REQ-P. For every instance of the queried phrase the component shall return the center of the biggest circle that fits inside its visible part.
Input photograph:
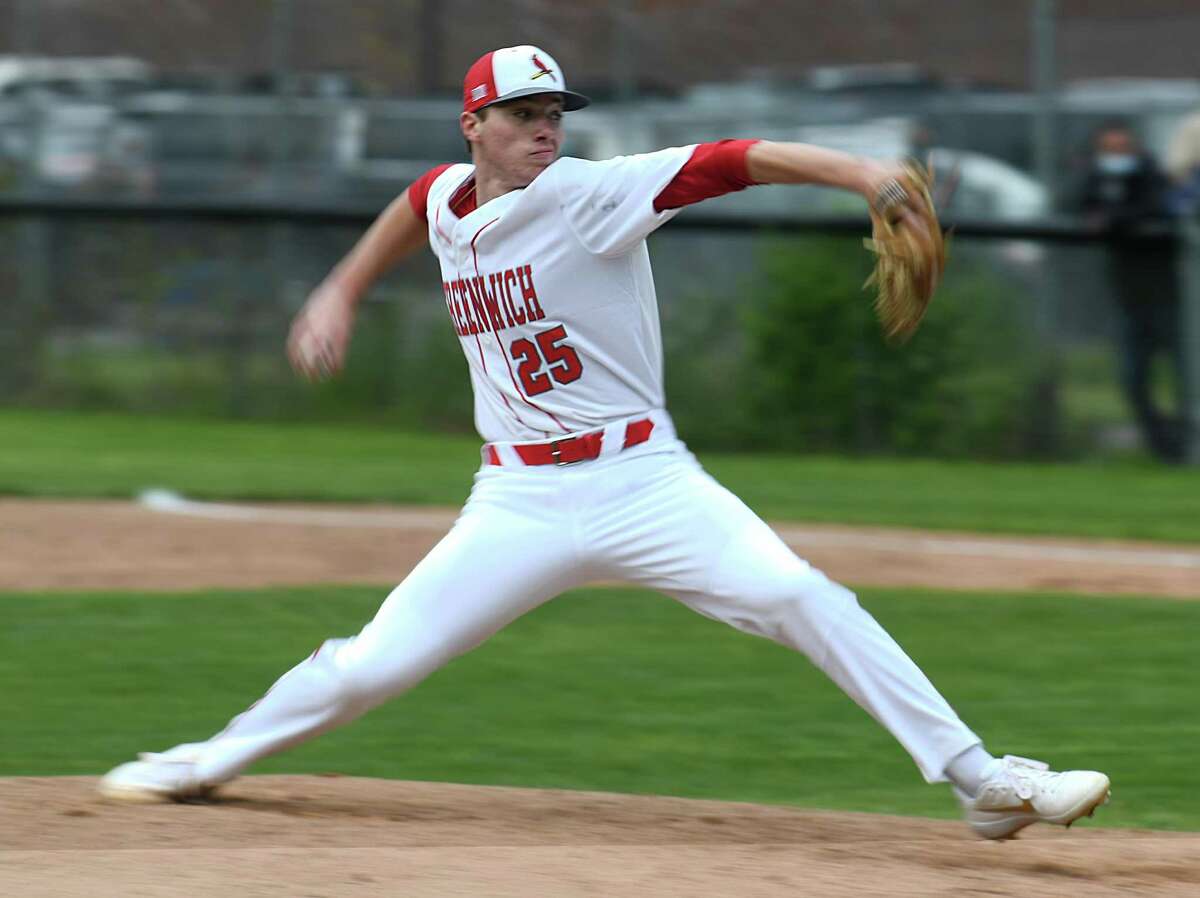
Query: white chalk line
(172, 503)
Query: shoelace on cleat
(1024, 773)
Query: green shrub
(402, 368)
(706, 374)
(821, 378)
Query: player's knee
(333, 679)
(821, 599)
(332, 672)
(797, 605)
(769, 587)
(366, 679)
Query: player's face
(1117, 142)
(519, 138)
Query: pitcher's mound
(342, 836)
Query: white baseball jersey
(551, 293)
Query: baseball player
(547, 282)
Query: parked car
(71, 76)
(63, 124)
(987, 188)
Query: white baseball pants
(649, 516)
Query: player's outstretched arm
(769, 162)
(320, 333)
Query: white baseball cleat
(157, 776)
(1023, 792)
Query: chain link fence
(188, 315)
(324, 111)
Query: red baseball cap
(513, 72)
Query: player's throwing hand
(320, 334)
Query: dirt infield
(318, 837)
(322, 837)
(126, 545)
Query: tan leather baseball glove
(910, 250)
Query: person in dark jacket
(1124, 193)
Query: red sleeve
(418, 190)
(714, 170)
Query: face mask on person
(1116, 163)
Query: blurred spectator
(1123, 187)
(1124, 193)
(1183, 164)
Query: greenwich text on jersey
(493, 302)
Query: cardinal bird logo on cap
(542, 69)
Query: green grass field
(622, 690)
(611, 689)
(73, 454)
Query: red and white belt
(571, 450)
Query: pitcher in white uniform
(547, 282)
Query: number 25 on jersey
(561, 361)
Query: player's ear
(470, 123)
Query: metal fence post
(1045, 77)
(623, 60)
(283, 179)
(282, 21)
(1189, 333)
(22, 338)
(25, 21)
